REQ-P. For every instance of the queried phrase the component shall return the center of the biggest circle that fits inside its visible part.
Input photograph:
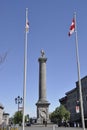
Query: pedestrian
(45, 123)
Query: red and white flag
(72, 27)
(27, 25)
(77, 109)
(27, 22)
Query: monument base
(42, 112)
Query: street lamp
(18, 101)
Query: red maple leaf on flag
(72, 27)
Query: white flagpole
(25, 69)
(78, 69)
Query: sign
(77, 109)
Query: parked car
(28, 124)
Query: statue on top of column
(42, 53)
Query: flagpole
(78, 70)
(25, 71)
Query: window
(86, 97)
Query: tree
(53, 117)
(60, 114)
(64, 114)
(27, 118)
(18, 117)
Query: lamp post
(18, 101)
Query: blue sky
(49, 26)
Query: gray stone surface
(49, 127)
(42, 103)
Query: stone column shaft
(42, 104)
(42, 78)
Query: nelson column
(42, 104)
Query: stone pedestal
(42, 104)
(42, 112)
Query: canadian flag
(27, 26)
(72, 27)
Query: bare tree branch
(3, 57)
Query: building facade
(72, 102)
(4, 117)
(1, 113)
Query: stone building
(1, 113)
(72, 101)
(4, 117)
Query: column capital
(41, 59)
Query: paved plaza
(50, 127)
